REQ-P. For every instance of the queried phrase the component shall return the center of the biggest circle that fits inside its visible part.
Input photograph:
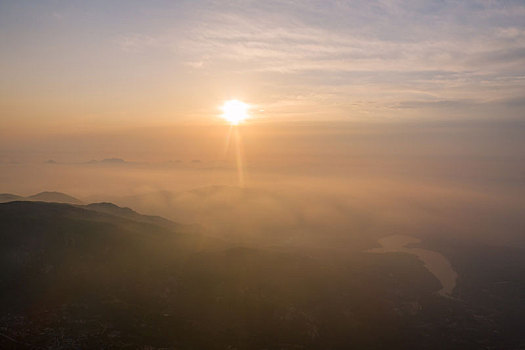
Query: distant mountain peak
(51, 196)
(125, 212)
(111, 208)
(9, 197)
(103, 204)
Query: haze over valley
(262, 174)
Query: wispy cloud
(311, 54)
(448, 52)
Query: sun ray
(235, 112)
(238, 154)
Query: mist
(262, 175)
(311, 185)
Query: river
(436, 263)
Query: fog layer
(305, 185)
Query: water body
(436, 263)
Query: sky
(411, 113)
(75, 65)
(334, 86)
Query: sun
(235, 111)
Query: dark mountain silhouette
(57, 197)
(108, 280)
(102, 276)
(112, 209)
(8, 197)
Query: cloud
(450, 51)
(344, 53)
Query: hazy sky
(77, 64)
(410, 112)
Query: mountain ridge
(44, 196)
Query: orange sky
(71, 65)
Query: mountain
(110, 281)
(102, 276)
(58, 197)
(124, 212)
(8, 197)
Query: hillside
(8, 197)
(125, 212)
(56, 197)
(101, 276)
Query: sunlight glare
(235, 111)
